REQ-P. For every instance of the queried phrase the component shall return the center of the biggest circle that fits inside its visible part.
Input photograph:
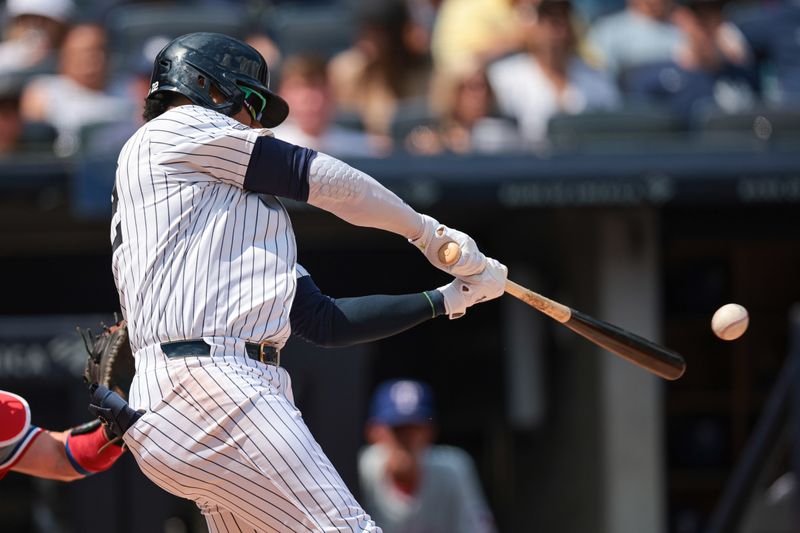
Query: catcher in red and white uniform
(62, 455)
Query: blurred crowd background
(422, 77)
(636, 160)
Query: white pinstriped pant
(224, 432)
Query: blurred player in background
(408, 484)
(10, 117)
(61, 455)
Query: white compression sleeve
(357, 198)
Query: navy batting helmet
(191, 64)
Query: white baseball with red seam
(730, 321)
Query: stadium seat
(762, 124)
(348, 119)
(105, 139)
(308, 28)
(37, 137)
(604, 129)
(409, 114)
(138, 31)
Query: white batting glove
(435, 235)
(462, 293)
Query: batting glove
(462, 293)
(435, 235)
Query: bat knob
(449, 253)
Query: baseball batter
(204, 258)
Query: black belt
(263, 352)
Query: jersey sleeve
(300, 271)
(193, 143)
(472, 513)
(279, 168)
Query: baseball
(730, 322)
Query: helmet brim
(276, 110)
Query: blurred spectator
(75, 97)
(103, 7)
(592, 9)
(711, 70)
(107, 138)
(466, 30)
(549, 77)
(711, 41)
(34, 31)
(305, 87)
(134, 83)
(388, 65)
(468, 121)
(267, 48)
(17, 136)
(425, 13)
(772, 31)
(642, 33)
(10, 118)
(408, 484)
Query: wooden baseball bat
(647, 354)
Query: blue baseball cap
(400, 402)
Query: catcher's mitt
(110, 362)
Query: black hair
(157, 104)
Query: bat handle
(551, 308)
(449, 253)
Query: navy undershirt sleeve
(279, 168)
(334, 322)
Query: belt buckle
(262, 356)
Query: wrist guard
(89, 449)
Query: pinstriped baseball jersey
(195, 255)
(198, 255)
(228, 436)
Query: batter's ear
(233, 102)
(215, 94)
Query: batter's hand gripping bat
(647, 354)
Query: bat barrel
(640, 351)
